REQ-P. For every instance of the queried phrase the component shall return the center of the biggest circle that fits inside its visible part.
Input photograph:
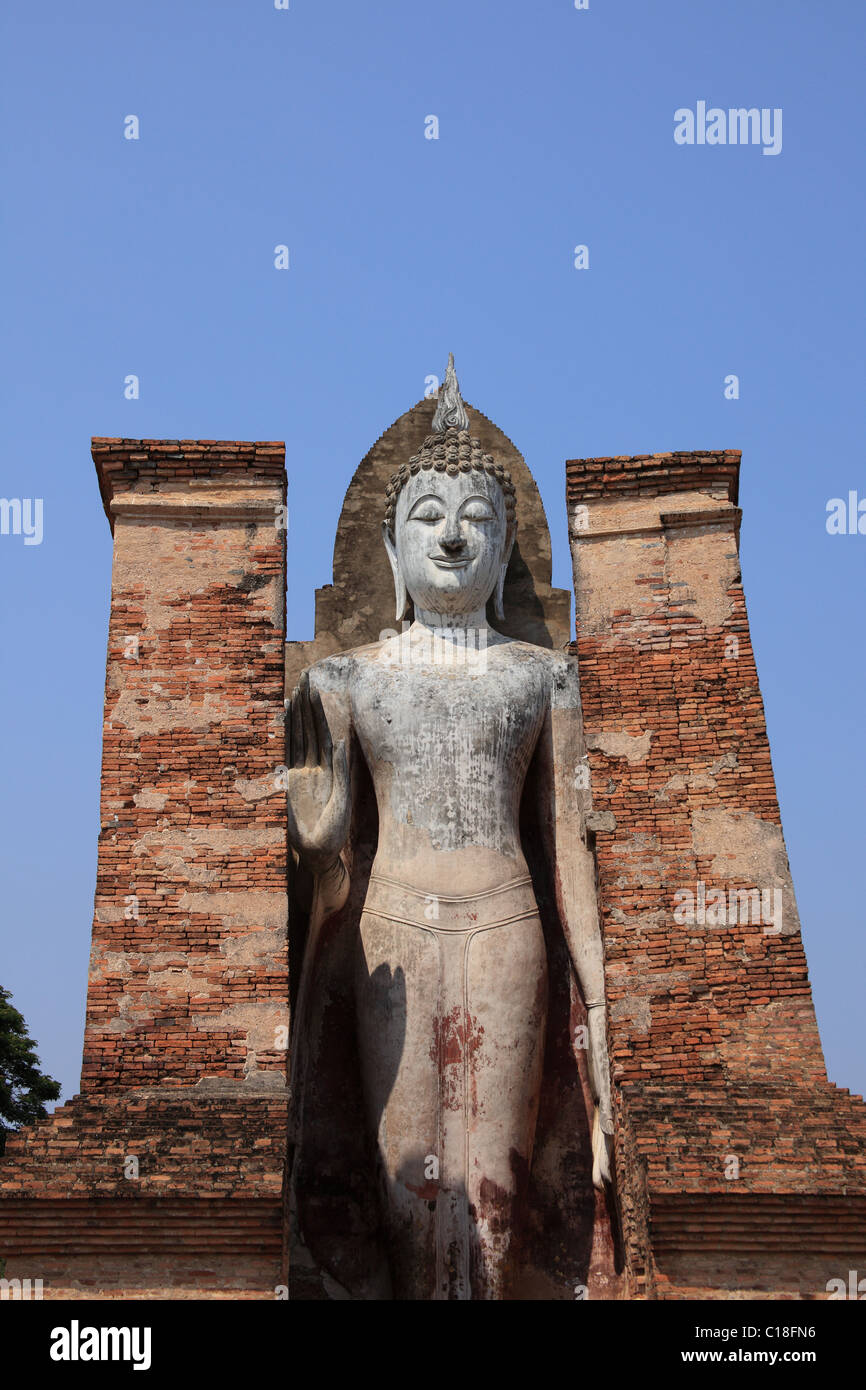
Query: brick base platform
(148, 1195)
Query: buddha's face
(450, 539)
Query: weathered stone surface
(447, 748)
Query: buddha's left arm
(565, 801)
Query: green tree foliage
(23, 1088)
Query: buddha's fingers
(322, 731)
(340, 763)
(295, 735)
(311, 742)
(602, 1147)
(339, 806)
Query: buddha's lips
(445, 563)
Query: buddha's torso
(448, 747)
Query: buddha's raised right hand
(317, 782)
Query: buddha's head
(451, 519)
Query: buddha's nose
(452, 539)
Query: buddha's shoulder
(557, 671)
(336, 672)
(559, 665)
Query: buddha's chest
(433, 723)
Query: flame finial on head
(450, 410)
(450, 448)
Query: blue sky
(306, 127)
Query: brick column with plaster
(165, 1177)
(188, 975)
(721, 1087)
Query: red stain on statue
(457, 1041)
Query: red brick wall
(184, 1058)
(188, 975)
(719, 1075)
(680, 763)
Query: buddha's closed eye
(427, 511)
(431, 510)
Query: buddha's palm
(317, 781)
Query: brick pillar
(165, 1178)
(681, 764)
(188, 975)
(714, 1043)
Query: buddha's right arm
(318, 798)
(318, 783)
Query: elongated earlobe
(399, 584)
(498, 608)
(401, 596)
(498, 605)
